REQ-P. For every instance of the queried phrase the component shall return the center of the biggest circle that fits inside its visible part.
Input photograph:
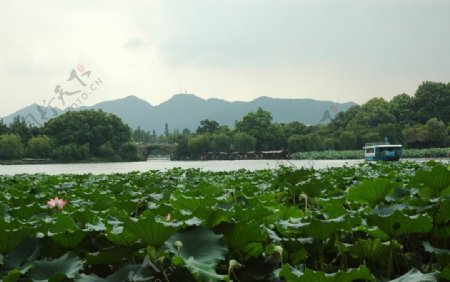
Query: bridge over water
(144, 150)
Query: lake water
(123, 167)
(105, 168)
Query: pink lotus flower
(56, 202)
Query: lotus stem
(391, 251)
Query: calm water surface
(105, 168)
(100, 168)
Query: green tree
(432, 100)
(259, 125)
(20, 127)
(344, 120)
(3, 128)
(369, 136)
(409, 134)
(166, 129)
(10, 147)
(348, 140)
(401, 107)
(304, 143)
(181, 150)
(221, 143)
(198, 145)
(40, 147)
(128, 151)
(294, 128)
(88, 127)
(207, 126)
(434, 133)
(392, 131)
(374, 112)
(72, 152)
(243, 142)
(106, 150)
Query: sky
(236, 50)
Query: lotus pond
(370, 222)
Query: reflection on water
(99, 168)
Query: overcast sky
(342, 51)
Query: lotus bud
(178, 245)
(233, 264)
(278, 250)
(167, 217)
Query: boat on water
(382, 151)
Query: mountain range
(187, 110)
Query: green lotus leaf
(442, 255)
(240, 234)
(292, 274)
(120, 235)
(415, 275)
(127, 272)
(12, 276)
(24, 212)
(98, 226)
(43, 270)
(113, 256)
(293, 223)
(370, 192)
(433, 183)
(398, 223)
(212, 216)
(253, 249)
(430, 249)
(254, 213)
(103, 203)
(294, 176)
(201, 250)
(286, 212)
(11, 234)
(355, 274)
(65, 232)
(312, 188)
(198, 242)
(272, 234)
(298, 256)
(152, 230)
(442, 232)
(4, 208)
(445, 274)
(323, 229)
(26, 251)
(183, 202)
(62, 223)
(443, 213)
(332, 207)
(203, 271)
(372, 249)
(69, 239)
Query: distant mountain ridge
(187, 110)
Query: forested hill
(187, 110)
